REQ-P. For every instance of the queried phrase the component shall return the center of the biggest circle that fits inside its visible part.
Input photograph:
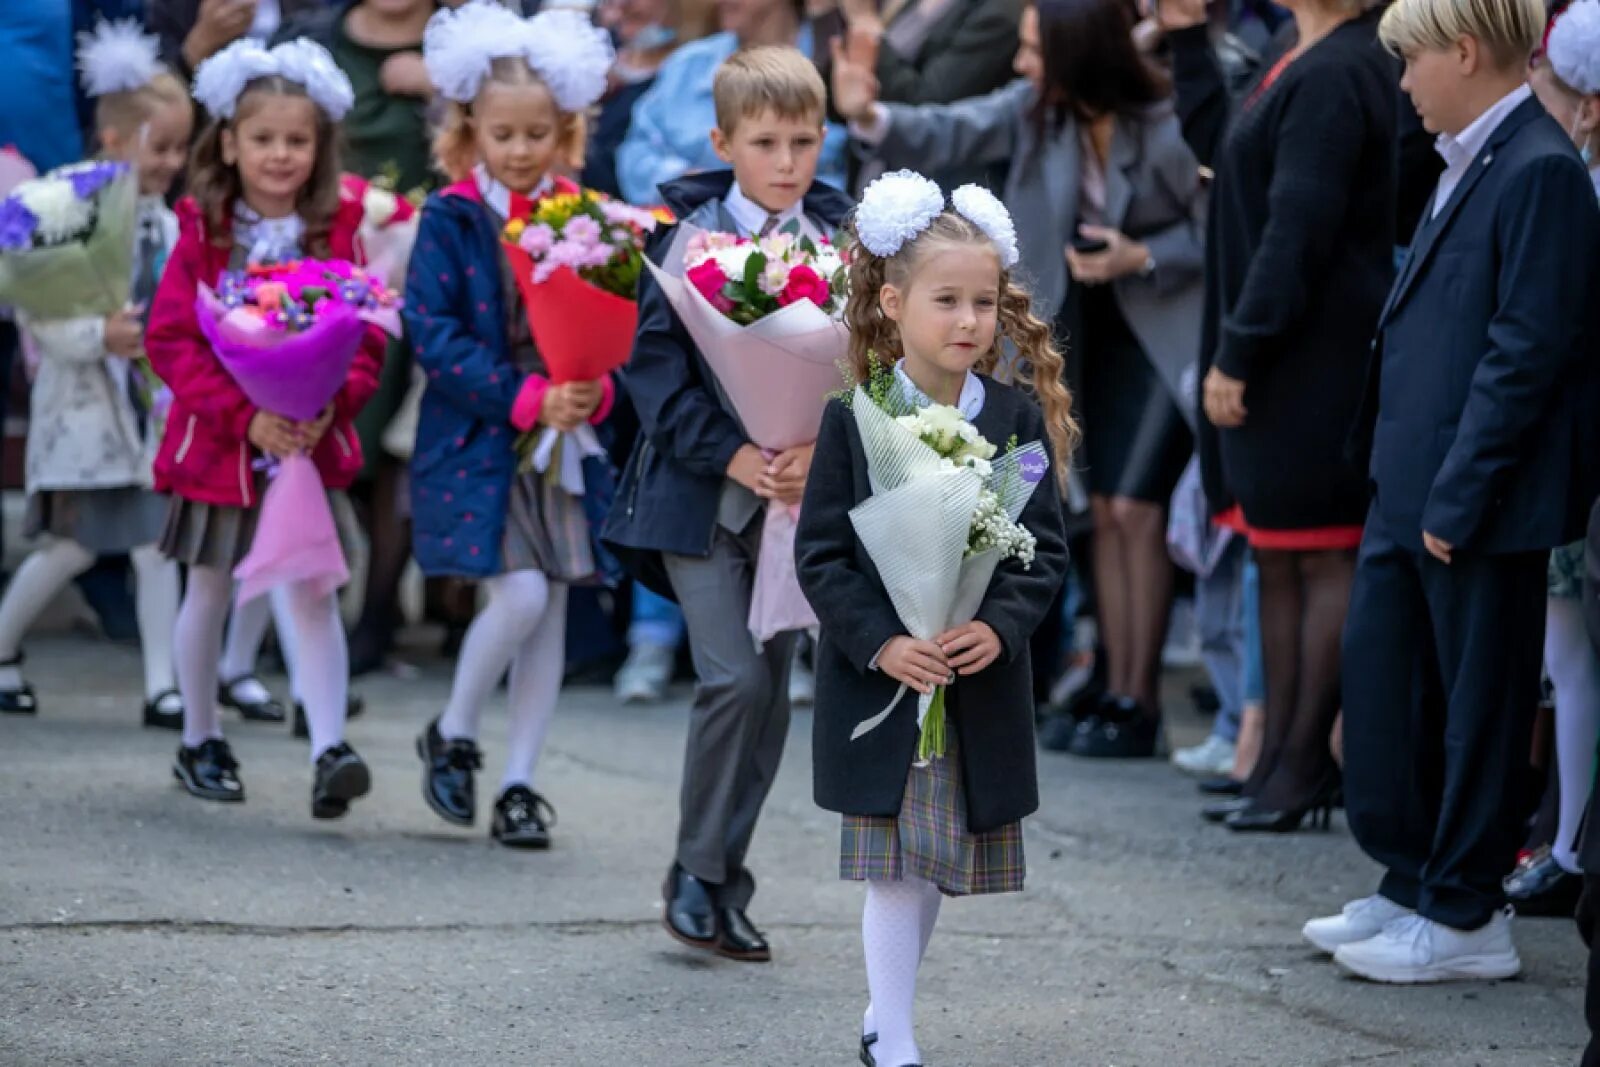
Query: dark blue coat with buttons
(465, 457)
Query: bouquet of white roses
(67, 241)
(942, 516)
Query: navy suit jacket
(1484, 385)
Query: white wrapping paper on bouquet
(916, 526)
(776, 374)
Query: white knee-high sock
(197, 648)
(155, 600)
(1575, 675)
(322, 669)
(517, 602)
(536, 673)
(41, 577)
(927, 917)
(891, 935)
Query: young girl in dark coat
(934, 305)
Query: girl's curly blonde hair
(1039, 368)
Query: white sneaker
(643, 679)
(1414, 949)
(1213, 758)
(1360, 920)
(802, 685)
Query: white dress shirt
(752, 218)
(1459, 151)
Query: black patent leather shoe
(1121, 730)
(354, 706)
(738, 938)
(1222, 810)
(209, 772)
(867, 1041)
(18, 701)
(268, 710)
(1539, 887)
(164, 713)
(447, 783)
(1221, 787)
(342, 776)
(522, 819)
(688, 913)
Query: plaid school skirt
(929, 839)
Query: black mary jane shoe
(687, 912)
(209, 772)
(738, 939)
(18, 701)
(447, 783)
(157, 719)
(342, 776)
(522, 819)
(354, 706)
(268, 710)
(867, 1041)
(1221, 787)
(1540, 888)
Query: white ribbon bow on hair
(221, 79)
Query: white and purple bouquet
(67, 241)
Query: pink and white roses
(747, 279)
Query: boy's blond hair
(1509, 29)
(770, 78)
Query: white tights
(322, 668)
(523, 628)
(1574, 672)
(246, 631)
(48, 570)
(896, 923)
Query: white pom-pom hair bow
(117, 57)
(221, 80)
(1574, 46)
(570, 54)
(901, 205)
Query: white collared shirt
(970, 403)
(498, 197)
(751, 217)
(1459, 151)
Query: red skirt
(1314, 539)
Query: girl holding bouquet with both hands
(264, 185)
(517, 89)
(91, 437)
(931, 297)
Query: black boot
(447, 783)
(522, 819)
(209, 772)
(342, 776)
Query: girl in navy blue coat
(516, 88)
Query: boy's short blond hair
(771, 78)
(1509, 29)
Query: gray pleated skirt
(215, 535)
(107, 522)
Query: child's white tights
(48, 570)
(246, 631)
(524, 629)
(1574, 672)
(896, 923)
(322, 667)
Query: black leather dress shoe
(342, 776)
(1120, 730)
(1539, 887)
(522, 819)
(738, 938)
(268, 710)
(209, 772)
(688, 913)
(354, 706)
(447, 783)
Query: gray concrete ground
(138, 926)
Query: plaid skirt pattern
(929, 839)
(546, 530)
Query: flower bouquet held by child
(576, 262)
(288, 334)
(765, 314)
(67, 240)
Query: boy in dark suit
(691, 506)
(1485, 392)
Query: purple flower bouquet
(67, 241)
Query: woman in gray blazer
(1110, 211)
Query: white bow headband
(901, 205)
(569, 53)
(1574, 46)
(220, 80)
